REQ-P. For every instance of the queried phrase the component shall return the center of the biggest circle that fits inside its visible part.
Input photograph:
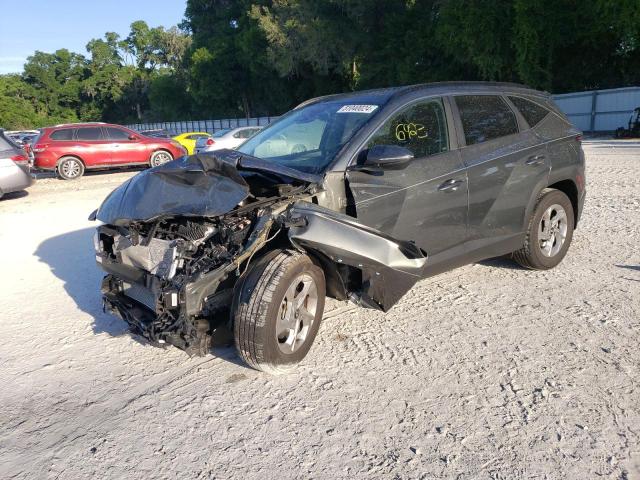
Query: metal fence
(210, 126)
(599, 110)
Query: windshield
(308, 139)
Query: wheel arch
(566, 186)
(570, 189)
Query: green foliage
(260, 57)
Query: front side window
(89, 133)
(308, 138)
(64, 134)
(117, 134)
(421, 128)
(531, 111)
(485, 117)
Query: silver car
(14, 167)
(227, 138)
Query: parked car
(230, 138)
(71, 148)
(188, 140)
(158, 133)
(395, 185)
(14, 167)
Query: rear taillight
(39, 147)
(20, 159)
(579, 138)
(210, 141)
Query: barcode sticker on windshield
(357, 108)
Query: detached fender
(389, 267)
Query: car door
(126, 147)
(506, 163)
(92, 146)
(424, 202)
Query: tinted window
(65, 134)
(116, 134)
(89, 133)
(532, 112)
(485, 117)
(422, 128)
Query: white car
(225, 139)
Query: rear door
(426, 201)
(506, 163)
(126, 147)
(92, 147)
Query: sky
(48, 25)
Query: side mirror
(386, 157)
(133, 137)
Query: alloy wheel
(552, 230)
(297, 313)
(70, 168)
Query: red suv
(72, 148)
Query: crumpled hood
(203, 185)
(198, 185)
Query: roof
(383, 95)
(83, 124)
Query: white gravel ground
(489, 371)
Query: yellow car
(188, 140)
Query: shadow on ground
(14, 195)
(41, 174)
(501, 262)
(71, 258)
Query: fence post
(594, 104)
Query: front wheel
(159, 158)
(277, 309)
(550, 232)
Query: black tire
(70, 168)
(258, 305)
(160, 158)
(531, 254)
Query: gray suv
(354, 196)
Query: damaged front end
(177, 238)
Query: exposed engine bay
(171, 274)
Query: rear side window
(89, 133)
(421, 128)
(117, 134)
(64, 134)
(485, 117)
(532, 112)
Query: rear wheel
(70, 168)
(160, 157)
(550, 232)
(277, 309)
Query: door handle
(535, 160)
(450, 185)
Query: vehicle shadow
(71, 258)
(42, 174)
(501, 262)
(14, 195)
